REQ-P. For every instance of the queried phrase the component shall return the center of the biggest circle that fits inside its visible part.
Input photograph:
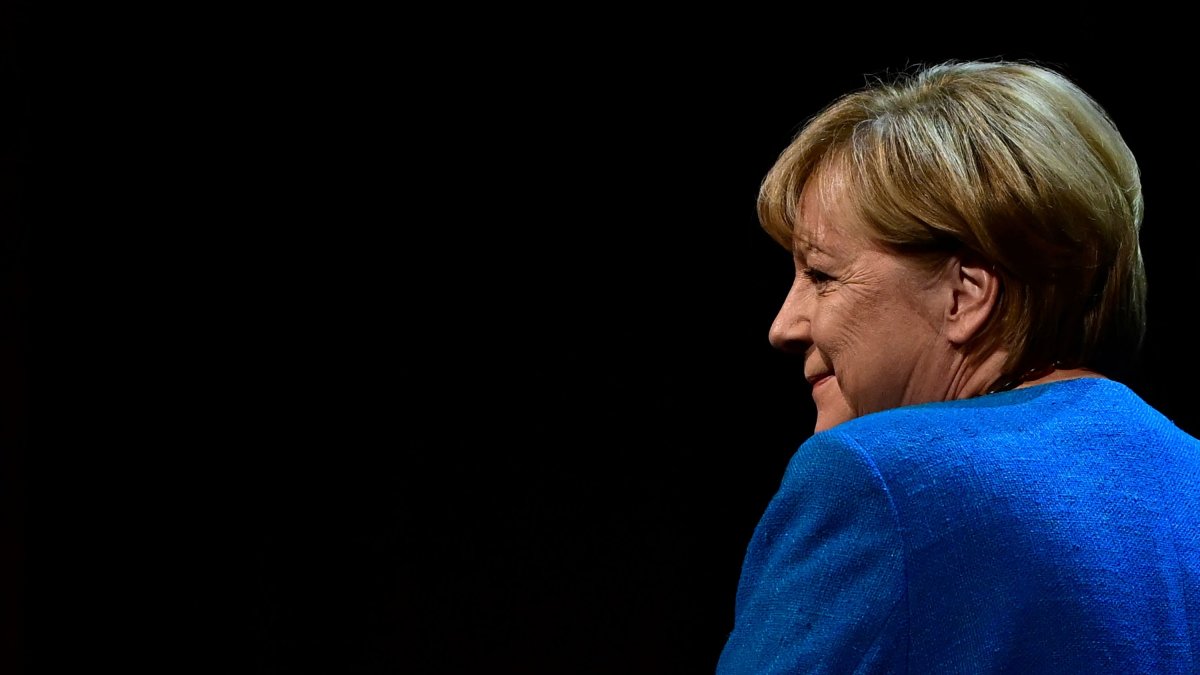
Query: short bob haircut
(1005, 161)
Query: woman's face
(866, 320)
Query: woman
(982, 494)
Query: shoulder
(1007, 514)
(1068, 412)
(1012, 446)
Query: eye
(816, 276)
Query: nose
(791, 331)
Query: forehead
(824, 220)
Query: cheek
(835, 328)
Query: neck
(986, 377)
(976, 378)
(1056, 374)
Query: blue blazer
(1051, 529)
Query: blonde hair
(1006, 161)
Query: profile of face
(868, 322)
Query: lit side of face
(866, 320)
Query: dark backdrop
(452, 331)
(535, 412)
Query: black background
(438, 344)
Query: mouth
(817, 380)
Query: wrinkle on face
(874, 323)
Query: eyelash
(816, 276)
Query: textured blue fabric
(1051, 529)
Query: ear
(974, 293)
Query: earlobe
(975, 292)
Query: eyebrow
(806, 243)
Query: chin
(825, 422)
(832, 406)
